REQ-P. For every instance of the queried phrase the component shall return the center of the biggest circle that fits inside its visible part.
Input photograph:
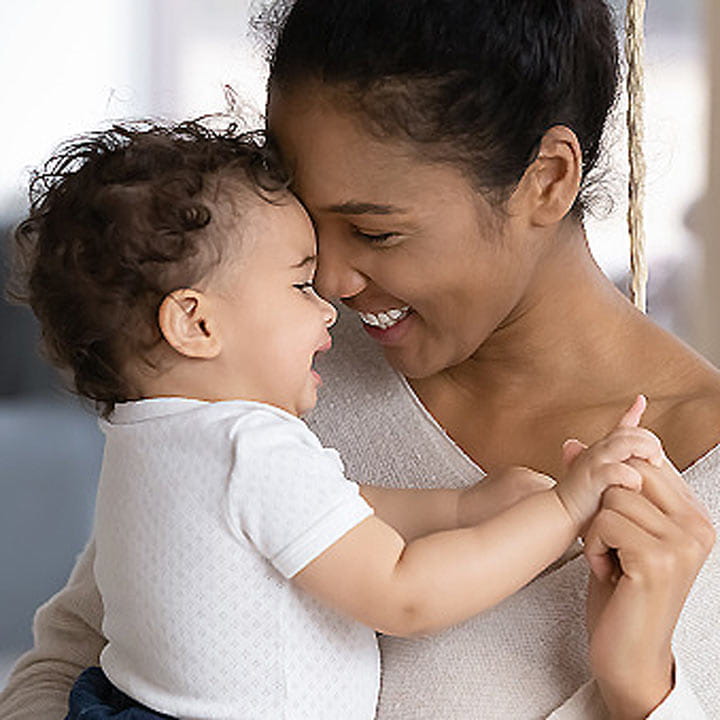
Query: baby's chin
(305, 409)
(307, 406)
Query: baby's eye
(305, 287)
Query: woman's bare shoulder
(690, 424)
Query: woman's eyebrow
(363, 208)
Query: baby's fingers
(626, 443)
(620, 474)
(571, 449)
(634, 413)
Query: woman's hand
(645, 551)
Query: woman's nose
(336, 277)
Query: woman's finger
(666, 488)
(639, 510)
(683, 540)
(611, 531)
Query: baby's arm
(418, 512)
(415, 513)
(414, 588)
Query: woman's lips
(385, 319)
(394, 334)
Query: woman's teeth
(386, 319)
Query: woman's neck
(564, 363)
(572, 331)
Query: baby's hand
(498, 491)
(592, 470)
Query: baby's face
(272, 323)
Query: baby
(242, 574)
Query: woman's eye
(375, 238)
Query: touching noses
(335, 276)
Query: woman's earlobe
(185, 320)
(556, 175)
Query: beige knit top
(523, 660)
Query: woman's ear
(186, 322)
(555, 176)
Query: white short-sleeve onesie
(204, 512)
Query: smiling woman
(388, 222)
(444, 151)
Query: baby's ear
(186, 322)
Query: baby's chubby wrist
(578, 507)
(498, 491)
(568, 512)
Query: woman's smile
(446, 271)
(385, 319)
(388, 327)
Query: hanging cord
(634, 51)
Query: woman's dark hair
(118, 219)
(474, 82)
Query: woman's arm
(67, 640)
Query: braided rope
(634, 51)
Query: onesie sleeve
(287, 494)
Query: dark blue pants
(94, 697)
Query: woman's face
(431, 269)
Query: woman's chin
(411, 364)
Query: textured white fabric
(527, 657)
(203, 512)
(681, 704)
(522, 660)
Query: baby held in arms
(242, 574)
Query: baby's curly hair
(118, 219)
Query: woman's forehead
(319, 133)
(335, 161)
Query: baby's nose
(329, 311)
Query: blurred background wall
(707, 326)
(72, 66)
